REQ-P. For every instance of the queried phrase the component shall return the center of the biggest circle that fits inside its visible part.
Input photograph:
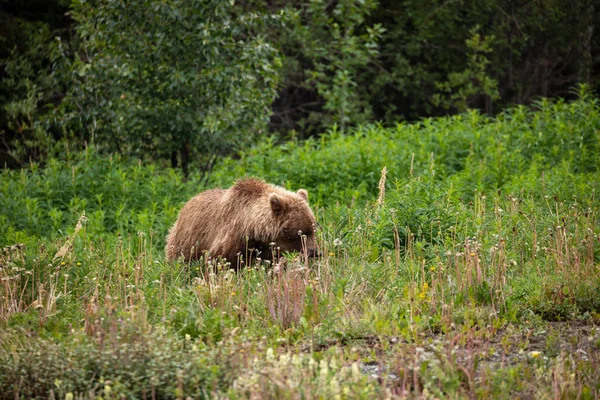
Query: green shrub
(474, 151)
(126, 363)
(117, 195)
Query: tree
(326, 46)
(191, 77)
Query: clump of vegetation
(470, 150)
(452, 275)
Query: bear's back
(203, 200)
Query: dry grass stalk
(65, 248)
(285, 296)
(381, 196)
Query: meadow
(461, 259)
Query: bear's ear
(303, 193)
(277, 203)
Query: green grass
(477, 274)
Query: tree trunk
(586, 59)
(185, 159)
(173, 159)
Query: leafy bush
(473, 151)
(117, 195)
(130, 364)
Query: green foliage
(196, 80)
(339, 43)
(27, 87)
(350, 62)
(158, 77)
(429, 48)
(458, 92)
(134, 365)
(116, 195)
(555, 145)
(470, 151)
(449, 283)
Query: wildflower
(535, 354)
(78, 264)
(337, 242)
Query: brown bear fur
(250, 214)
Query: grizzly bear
(252, 214)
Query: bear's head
(296, 223)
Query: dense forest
(189, 81)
